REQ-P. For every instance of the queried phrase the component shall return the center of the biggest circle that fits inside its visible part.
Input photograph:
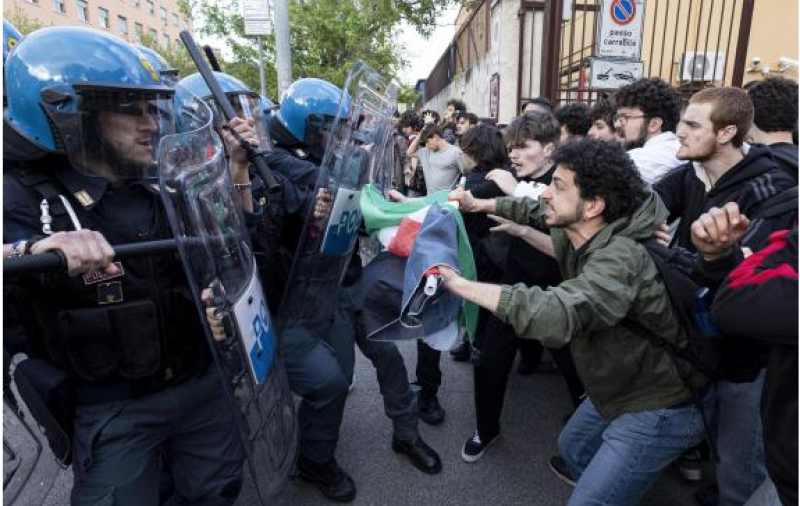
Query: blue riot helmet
(93, 97)
(169, 74)
(245, 102)
(306, 114)
(11, 37)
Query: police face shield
(246, 105)
(319, 128)
(215, 248)
(113, 132)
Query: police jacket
(116, 336)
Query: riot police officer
(126, 333)
(320, 367)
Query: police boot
(329, 478)
(422, 456)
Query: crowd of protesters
(578, 217)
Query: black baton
(227, 109)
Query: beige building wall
(774, 34)
(473, 85)
(162, 20)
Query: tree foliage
(328, 36)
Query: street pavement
(513, 472)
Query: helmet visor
(115, 132)
(246, 105)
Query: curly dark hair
(436, 116)
(457, 104)
(774, 103)
(410, 119)
(575, 117)
(655, 98)
(604, 169)
(484, 144)
(429, 131)
(605, 111)
(533, 126)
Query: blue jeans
(765, 495)
(741, 467)
(615, 463)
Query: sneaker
(429, 410)
(559, 467)
(474, 448)
(690, 465)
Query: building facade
(159, 20)
(507, 51)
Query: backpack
(691, 302)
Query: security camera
(756, 61)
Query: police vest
(140, 329)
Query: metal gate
(691, 44)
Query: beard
(122, 165)
(637, 142)
(565, 221)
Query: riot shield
(29, 467)
(215, 248)
(358, 151)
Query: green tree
(23, 23)
(328, 36)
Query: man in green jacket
(638, 416)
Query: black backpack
(676, 266)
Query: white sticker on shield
(343, 225)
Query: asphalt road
(513, 472)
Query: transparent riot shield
(215, 248)
(357, 152)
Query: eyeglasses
(623, 118)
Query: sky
(422, 54)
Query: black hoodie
(749, 183)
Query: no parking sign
(619, 34)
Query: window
(83, 11)
(151, 8)
(139, 29)
(34, 2)
(164, 16)
(102, 17)
(122, 24)
(153, 34)
(165, 37)
(58, 6)
(135, 3)
(174, 19)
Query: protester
(638, 415)
(538, 104)
(410, 125)
(441, 161)
(464, 122)
(648, 111)
(720, 168)
(575, 121)
(775, 117)
(763, 284)
(603, 116)
(482, 150)
(532, 138)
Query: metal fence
(691, 44)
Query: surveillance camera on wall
(756, 61)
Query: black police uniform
(132, 346)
